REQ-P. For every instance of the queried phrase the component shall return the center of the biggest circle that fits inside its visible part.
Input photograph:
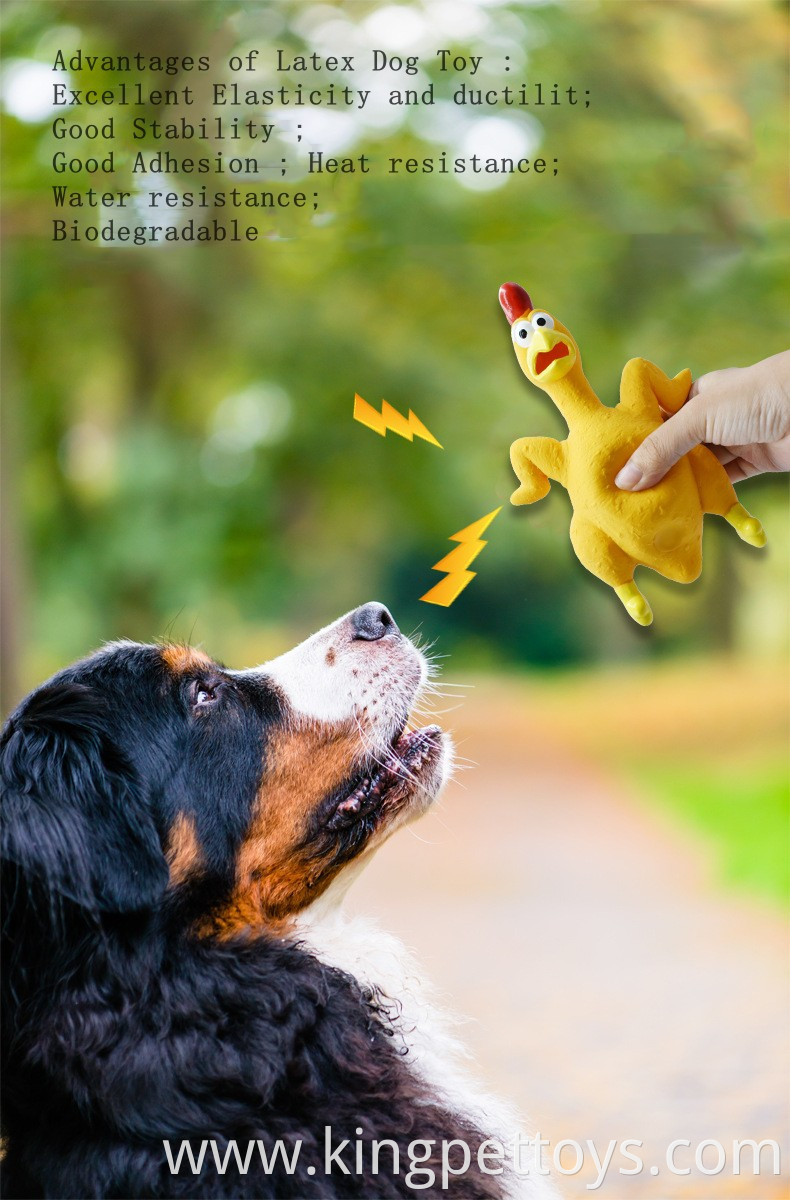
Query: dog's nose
(371, 622)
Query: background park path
(616, 992)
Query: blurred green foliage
(179, 419)
(705, 739)
(745, 812)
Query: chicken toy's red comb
(514, 301)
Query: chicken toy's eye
(542, 320)
(521, 333)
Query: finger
(740, 469)
(662, 449)
(723, 454)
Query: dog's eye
(202, 694)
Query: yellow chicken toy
(614, 531)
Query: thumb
(662, 449)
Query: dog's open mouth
(408, 765)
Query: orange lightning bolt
(390, 418)
(456, 563)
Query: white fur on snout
(334, 677)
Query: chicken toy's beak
(549, 356)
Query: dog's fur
(176, 840)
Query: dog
(187, 1010)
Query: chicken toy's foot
(747, 527)
(636, 605)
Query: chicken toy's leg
(718, 496)
(635, 604)
(747, 527)
(599, 554)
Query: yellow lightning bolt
(456, 563)
(390, 418)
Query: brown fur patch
(275, 879)
(183, 849)
(183, 659)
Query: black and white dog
(178, 971)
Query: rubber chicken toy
(614, 531)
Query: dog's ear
(74, 821)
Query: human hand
(742, 413)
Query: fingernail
(629, 477)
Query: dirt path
(616, 993)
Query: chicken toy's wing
(645, 389)
(536, 460)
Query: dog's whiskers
(401, 771)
